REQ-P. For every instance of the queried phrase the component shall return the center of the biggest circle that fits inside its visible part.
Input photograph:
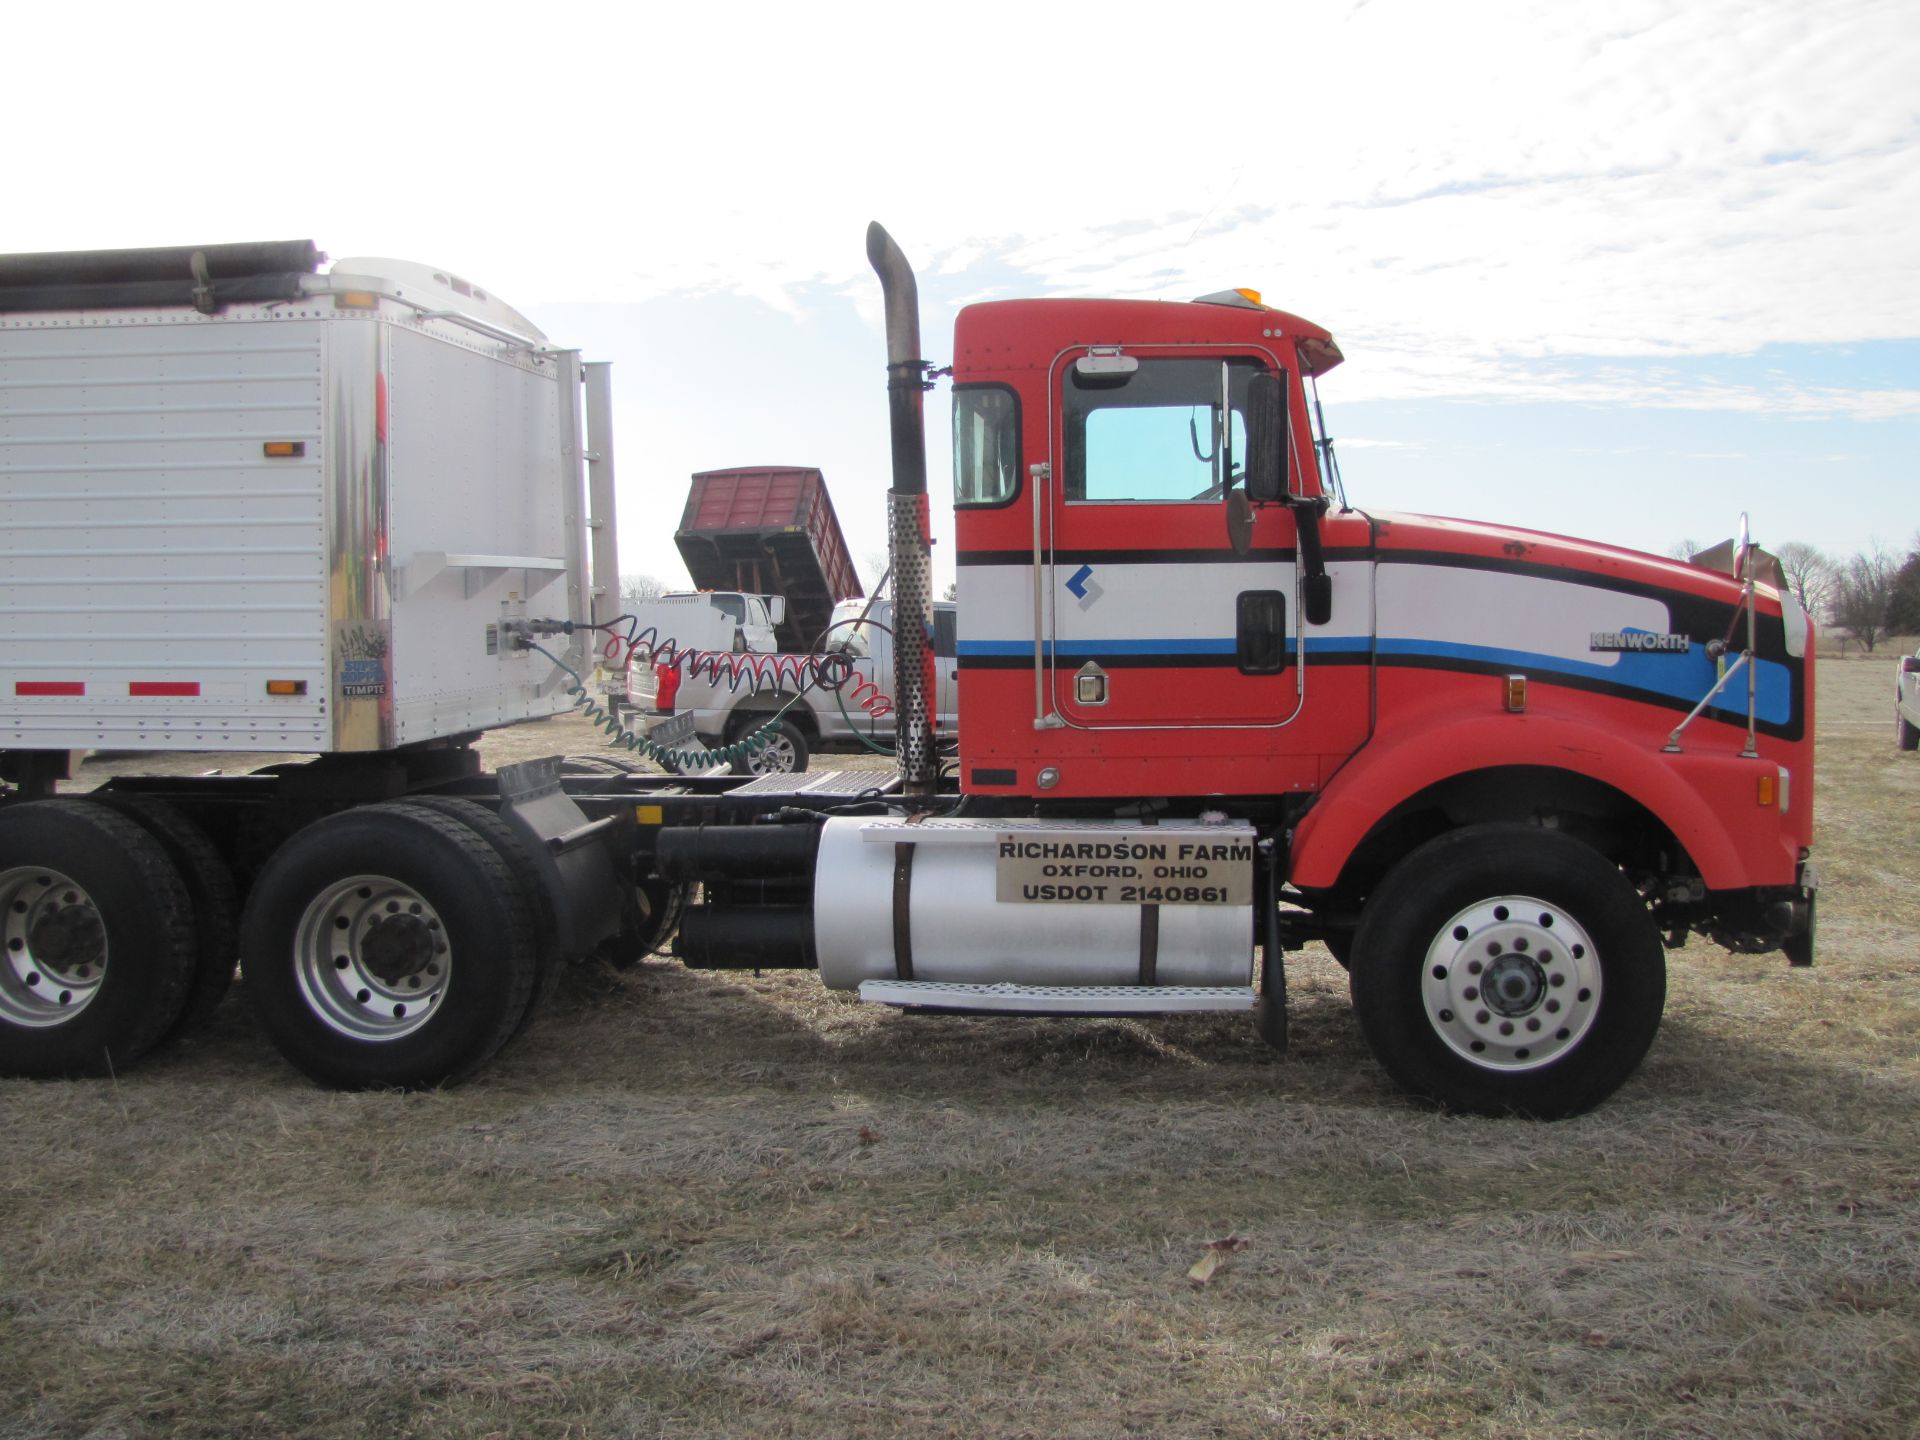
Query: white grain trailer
(290, 516)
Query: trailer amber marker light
(356, 300)
(286, 687)
(1515, 694)
(284, 449)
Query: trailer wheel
(210, 888)
(508, 844)
(388, 946)
(1505, 969)
(785, 754)
(97, 934)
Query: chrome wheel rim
(1511, 983)
(778, 758)
(54, 946)
(373, 958)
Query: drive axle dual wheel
(97, 940)
(1506, 969)
(210, 890)
(389, 946)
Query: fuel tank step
(1058, 999)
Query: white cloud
(1484, 201)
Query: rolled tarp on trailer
(203, 276)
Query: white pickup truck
(1906, 702)
(719, 705)
(722, 621)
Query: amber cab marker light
(1514, 688)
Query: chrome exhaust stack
(909, 532)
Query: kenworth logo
(1640, 640)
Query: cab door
(1157, 619)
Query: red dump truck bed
(769, 529)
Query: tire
(513, 852)
(388, 946)
(1905, 734)
(785, 754)
(1481, 907)
(96, 940)
(210, 888)
(600, 765)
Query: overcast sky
(1620, 271)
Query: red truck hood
(1441, 534)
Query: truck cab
(1165, 596)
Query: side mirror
(777, 609)
(1266, 438)
(1316, 597)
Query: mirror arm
(1316, 586)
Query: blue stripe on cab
(1678, 677)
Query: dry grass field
(700, 1206)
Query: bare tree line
(1870, 594)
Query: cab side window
(1169, 431)
(986, 445)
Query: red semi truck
(1208, 712)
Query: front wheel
(1508, 970)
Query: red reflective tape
(163, 687)
(49, 687)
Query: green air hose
(673, 759)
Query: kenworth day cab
(1206, 713)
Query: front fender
(1695, 795)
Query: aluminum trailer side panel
(478, 478)
(159, 566)
(156, 567)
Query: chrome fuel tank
(1034, 902)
